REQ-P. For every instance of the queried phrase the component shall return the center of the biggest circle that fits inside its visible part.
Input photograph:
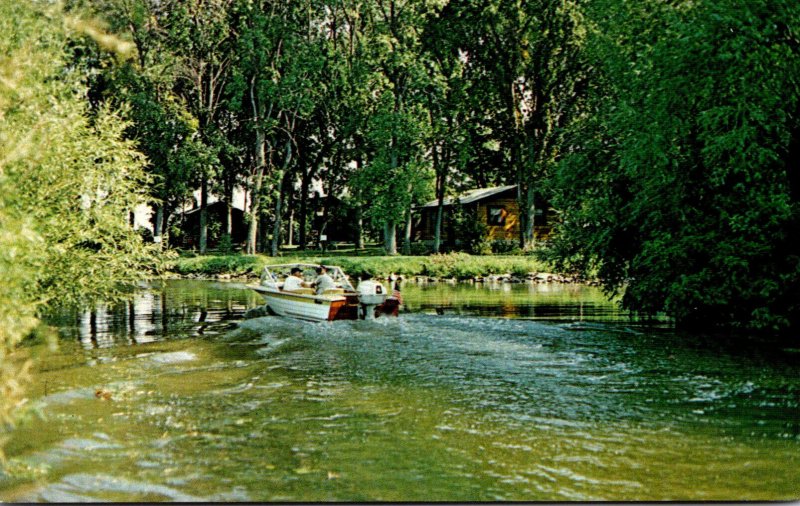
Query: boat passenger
(323, 281)
(294, 280)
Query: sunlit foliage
(67, 185)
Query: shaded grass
(451, 265)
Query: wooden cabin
(497, 208)
(189, 223)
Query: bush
(228, 264)
(420, 249)
(472, 232)
(505, 247)
(380, 267)
(225, 245)
(450, 265)
(520, 270)
(444, 265)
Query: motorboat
(342, 302)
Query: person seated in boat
(323, 281)
(294, 281)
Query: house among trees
(189, 226)
(495, 210)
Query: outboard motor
(370, 295)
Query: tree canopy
(680, 185)
(68, 179)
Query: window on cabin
(496, 215)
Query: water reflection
(159, 311)
(195, 308)
(514, 300)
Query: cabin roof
(217, 203)
(471, 196)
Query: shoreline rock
(533, 277)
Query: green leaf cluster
(68, 181)
(680, 188)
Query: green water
(509, 393)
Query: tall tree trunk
(390, 237)
(407, 233)
(437, 231)
(229, 211)
(359, 228)
(522, 197)
(260, 152)
(530, 209)
(168, 215)
(525, 197)
(440, 165)
(303, 219)
(390, 227)
(263, 232)
(437, 226)
(290, 227)
(204, 214)
(158, 226)
(277, 223)
(514, 103)
(359, 239)
(283, 177)
(228, 219)
(255, 200)
(290, 202)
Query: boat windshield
(277, 274)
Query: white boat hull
(305, 307)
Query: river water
(475, 393)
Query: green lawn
(450, 265)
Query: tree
(259, 50)
(391, 187)
(448, 107)
(200, 37)
(145, 85)
(275, 74)
(68, 180)
(394, 130)
(350, 103)
(681, 188)
(529, 55)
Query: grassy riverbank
(451, 265)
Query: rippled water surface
(502, 393)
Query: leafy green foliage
(525, 63)
(681, 188)
(396, 174)
(67, 183)
(471, 231)
(225, 264)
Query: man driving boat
(294, 280)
